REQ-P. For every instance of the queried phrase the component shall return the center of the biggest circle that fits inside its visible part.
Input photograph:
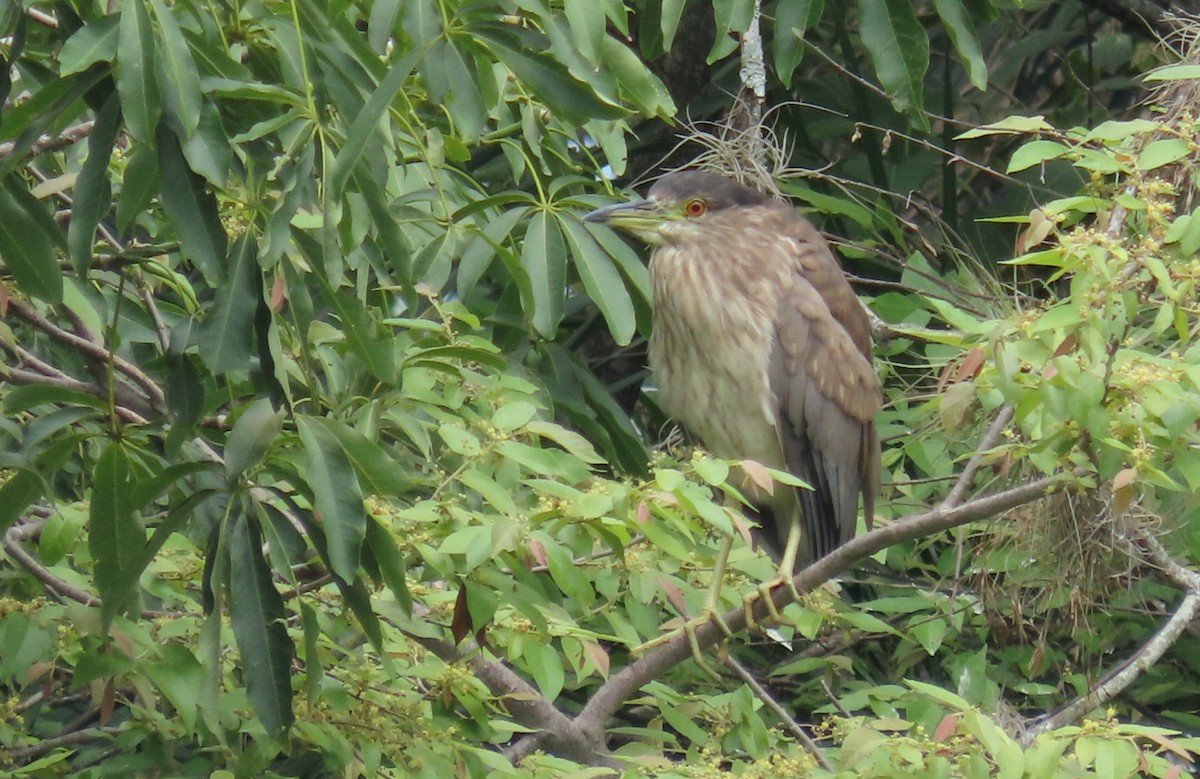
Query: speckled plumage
(762, 351)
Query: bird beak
(642, 218)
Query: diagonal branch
(609, 697)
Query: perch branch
(594, 716)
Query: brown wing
(828, 394)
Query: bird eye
(695, 208)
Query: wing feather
(828, 394)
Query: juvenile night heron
(762, 351)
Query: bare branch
(49, 143)
(626, 682)
(788, 721)
(90, 346)
(985, 444)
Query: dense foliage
(326, 443)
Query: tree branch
(786, 718)
(90, 346)
(622, 685)
(985, 445)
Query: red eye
(695, 208)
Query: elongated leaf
(256, 611)
(962, 34)
(792, 19)
(191, 209)
(367, 121)
(586, 20)
(602, 280)
(546, 77)
(899, 49)
(115, 536)
(637, 83)
(227, 334)
(177, 73)
(94, 42)
(26, 249)
(337, 497)
(93, 192)
(18, 493)
(362, 334)
(252, 435)
(671, 13)
(141, 102)
(379, 472)
(481, 250)
(388, 557)
(139, 185)
(543, 256)
(207, 150)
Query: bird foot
(689, 628)
(763, 593)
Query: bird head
(677, 205)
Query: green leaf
(381, 474)
(366, 123)
(1175, 73)
(93, 192)
(362, 333)
(481, 250)
(337, 497)
(586, 21)
(962, 34)
(1162, 152)
(139, 185)
(21, 488)
(636, 83)
(671, 13)
(257, 615)
(526, 56)
(95, 42)
(543, 256)
(191, 209)
(546, 667)
(792, 19)
(26, 250)
(115, 536)
(226, 336)
(899, 49)
(601, 279)
(177, 73)
(207, 150)
(382, 547)
(1035, 153)
(136, 63)
(253, 433)
(1012, 125)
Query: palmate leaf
(601, 279)
(93, 192)
(226, 336)
(543, 255)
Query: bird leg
(711, 612)
(787, 567)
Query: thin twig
(788, 721)
(985, 445)
(88, 345)
(52, 142)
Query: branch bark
(582, 738)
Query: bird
(762, 351)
